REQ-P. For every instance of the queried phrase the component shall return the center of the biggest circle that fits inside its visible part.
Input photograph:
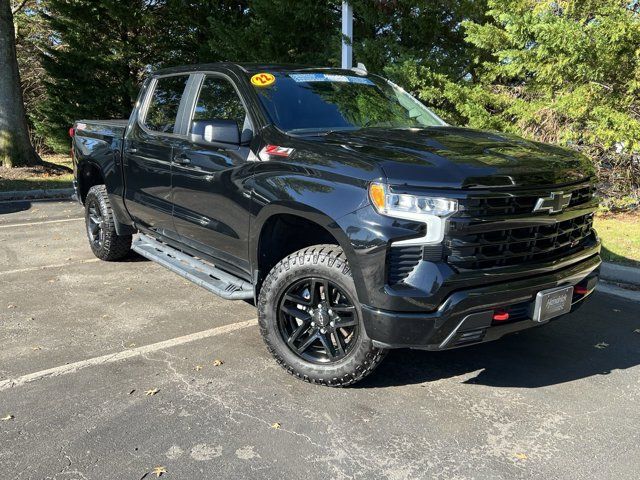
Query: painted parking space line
(44, 222)
(45, 267)
(118, 356)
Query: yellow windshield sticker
(262, 79)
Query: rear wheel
(105, 243)
(311, 320)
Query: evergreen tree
(96, 64)
(33, 36)
(304, 32)
(561, 71)
(423, 32)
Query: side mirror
(215, 131)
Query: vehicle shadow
(14, 207)
(133, 257)
(595, 340)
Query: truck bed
(102, 128)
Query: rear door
(211, 202)
(148, 152)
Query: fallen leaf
(601, 345)
(521, 456)
(197, 368)
(276, 426)
(158, 471)
(637, 330)
(152, 392)
(217, 362)
(616, 310)
(131, 345)
(11, 305)
(37, 347)
(7, 417)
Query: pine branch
(19, 7)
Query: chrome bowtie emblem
(554, 203)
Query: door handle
(181, 159)
(131, 151)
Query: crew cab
(353, 216)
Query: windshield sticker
(327, 77)
(262, 79)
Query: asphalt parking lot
(83, 342)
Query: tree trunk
(15, 145)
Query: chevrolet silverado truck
(354, 217)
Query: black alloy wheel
(103, 237)
(318, 321)
(95, 224)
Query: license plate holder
(552, 303)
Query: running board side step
(198, 271)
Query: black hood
(450, 157)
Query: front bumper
(466, 316)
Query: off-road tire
(111, 246)
(324, 261)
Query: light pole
(347, 35)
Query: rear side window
(165, 103)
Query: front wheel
(105, 242)
(311, 320)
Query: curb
(620, 273)
(37, 194)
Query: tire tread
(331, 255)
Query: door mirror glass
(220, 116)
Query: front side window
(218, 101)
(165, 103)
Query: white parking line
(41, 223)
(44, 267)
(116, 357)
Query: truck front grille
(488, 206)
(501, 247)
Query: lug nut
(313, 324)
(333, 324)
(322, 330)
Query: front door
(148, 152)
(211, 206)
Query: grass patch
(620, 236)
(38, 178)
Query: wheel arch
(273, 237)
(89, 175)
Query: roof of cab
(244, 67)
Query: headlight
(432, 211)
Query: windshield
(300, 102)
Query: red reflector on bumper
(500, 316)
(579, 290)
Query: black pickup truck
(354, 217)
